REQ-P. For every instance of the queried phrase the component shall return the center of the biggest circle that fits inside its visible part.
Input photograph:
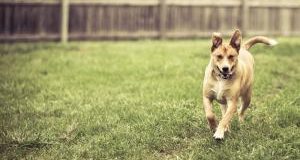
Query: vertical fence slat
(206, 18)
(163, 18)
(245, 19)
(223, 20)
(7, 19)
(285, 18)
(64, 20)
(266, 19)
(89, 20)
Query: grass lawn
(140, 100)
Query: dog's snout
(225, 69)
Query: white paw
(219, 134)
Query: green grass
(140, 100)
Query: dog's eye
(219, 56)
(230, 57)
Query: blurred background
(63, 20)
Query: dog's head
(225, 56)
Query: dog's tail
(259, 39)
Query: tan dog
(229, 77)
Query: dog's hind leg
(223, 109)
(246, 99)
(210, 116)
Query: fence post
(245, 17)
(162, 18)
(64, 21)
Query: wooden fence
(28, 20)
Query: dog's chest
(219, 89)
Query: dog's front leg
(210, 116)
(223, 109)
(224, 123)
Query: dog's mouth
(224, 75)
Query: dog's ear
(236, 40)
(216, 41)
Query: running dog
(228, 78)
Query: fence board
(295, 23)
(285, 17)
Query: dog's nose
(225, 69)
